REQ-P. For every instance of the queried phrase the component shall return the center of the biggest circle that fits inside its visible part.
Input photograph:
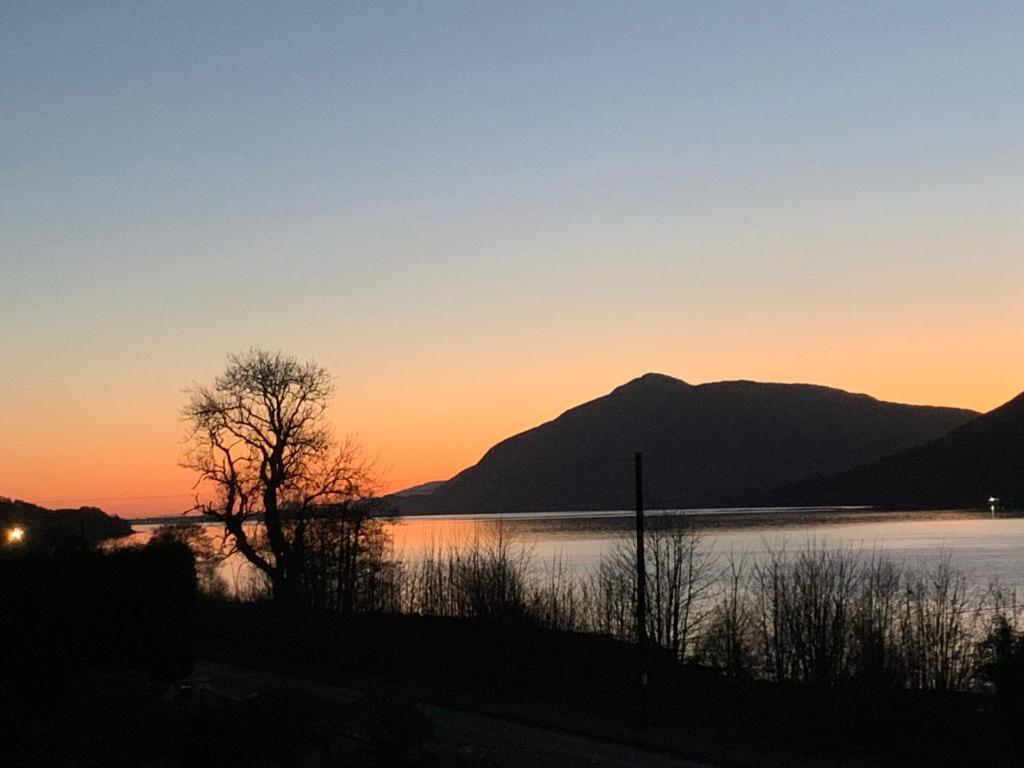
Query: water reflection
(985, 547)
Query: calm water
(986, 547)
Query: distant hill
(982, 458)
(54, 526)
(721, 444)
(422, 489)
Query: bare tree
(260, 439)
(680, 576)
(681, 572)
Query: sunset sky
(479, 214)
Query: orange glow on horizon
(412, 442)
(426, 420)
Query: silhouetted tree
(208, 555)
(345, 563)
(260, 438)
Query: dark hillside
(982, 458)
(54, 527)
(720, 444)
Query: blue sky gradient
(481, 213)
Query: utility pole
(641, 588)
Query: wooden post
(641, 588)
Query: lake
(985, 546)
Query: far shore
(705, 517)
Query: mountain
(721, 444)
(982, 458)
(422, 489)
(51, 527)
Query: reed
(815, 615)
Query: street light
(15, 535)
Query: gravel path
(503, 743)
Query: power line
(512, 472)
(122, 498)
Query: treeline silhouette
(813, 615)
(809, 650)
(55, 529)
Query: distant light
(15, 535)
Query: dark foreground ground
(274, 689)
(586, 685)
(465, 738)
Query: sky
(478, 215)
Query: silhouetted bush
(207, 554)
(342, 559)
(483, 579)
(727, 642)
(555, 599)
(681, 574)
(1001, 658)
(124, 609)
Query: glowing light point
(15, 535)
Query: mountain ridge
(721, 443)
(979, 459)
